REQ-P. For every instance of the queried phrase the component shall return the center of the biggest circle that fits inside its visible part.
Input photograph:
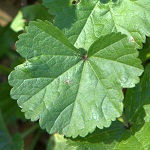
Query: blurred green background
(17, 133)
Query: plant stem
(123, 120)
(28, 132)
(35, 140)
(4, 70)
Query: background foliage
(16, 133)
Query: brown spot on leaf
(74, 2)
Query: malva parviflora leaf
(117, 137)
(112, 138)
(137, 100)
(87, 20)
(69, 90)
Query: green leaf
(117, 137)
(60, 143)
(137, 101)
(29, 13)
(137, 139)
(36, 11)
(144, 54)
(18, 23)
(87, 20)
(72, 91)
(57, 142)
(6, 141)
(105, 139)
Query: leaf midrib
(65, 42)
(108, 95)
(112, 16)
(141, 6)
(110, 60)
(45, 78)
(72, 103)
(138, 109)
(108, 45)
(85, 23)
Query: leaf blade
(57, 83)
(94, 19)
(117, 137)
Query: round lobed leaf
(72, 91)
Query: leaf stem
(35, 140)
(124, 120)
(4, 70)
(28, 132)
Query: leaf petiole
(28, 132)
(124, 121)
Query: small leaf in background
(117, 137)
(87, 20)
(29, 13)
(144, 54)
(6, 141)
(111, 139)
(71, 91)
(59, 143)
(36, 11)
(138, 99)
(105, 139)
(18, 23)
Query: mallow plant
(83, 78)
